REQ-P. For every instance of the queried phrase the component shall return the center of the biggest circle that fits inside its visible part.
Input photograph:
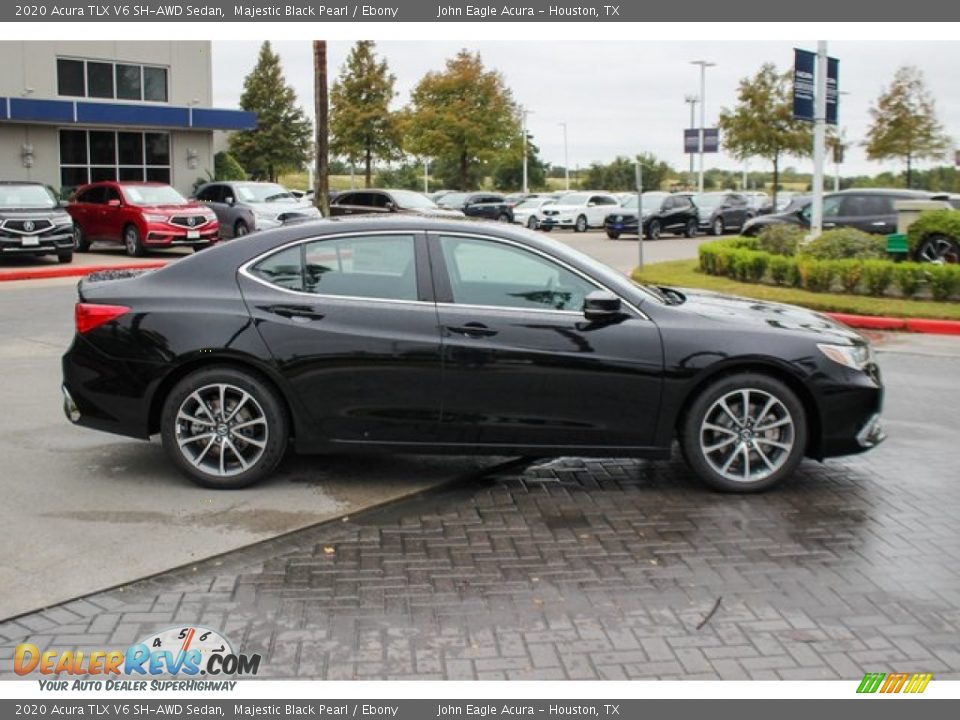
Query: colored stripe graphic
(894, 683)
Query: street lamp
(566, 157)
(704, 64)
(523, 113)
(692, 101)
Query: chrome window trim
(244, 270)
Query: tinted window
(155, 84)
(103, 149)
(73, 147)
(70, 77)
(368, 267)
(210, 193)
(158, 149)
(867, 205)
(99, 80)
(483, 272)
(128, 82)
(93, 195)
(285, 269)
(130, 148)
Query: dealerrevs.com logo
(179, 651)
(910, 683)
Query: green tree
(621, 174)
(762, 123)
(281, 141)
(463, 116)
(507, 168)
(362, 127)
(408, 175)
(226, 167)
(905, 125)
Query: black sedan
(412, 335)
(489, 206)
(379, 202)
(662, 212)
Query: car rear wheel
(653, 230)
(613, 235)
(240, 229)
(80, 242)
(716, 227)
(744, 433)
(132, 241)
(690, 229)
(224, 428)
(504, 218)
(939, 249)
(532, 222)
(581, 225)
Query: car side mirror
(113, 203)
(601, 305)
(231, 201)
(391, 206)
(591, 204)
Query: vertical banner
(804, 63)
(833, 90)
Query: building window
(95, 155)
(120, 81)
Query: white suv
(579, 210)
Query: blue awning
(60, 112)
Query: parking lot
(348, 567)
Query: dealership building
(73, 112)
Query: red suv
(140, 215)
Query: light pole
(566, 156)
(704, 64)
(692, 101)
(523, 113)
(426, 176)
(819, 140)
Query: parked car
(530, 212)
(869, 209)
(141, 216)
(661, 211)
(32, 222)
(514, 199)
(378, 335)
(245, 207)
(579, 210)
(490, 206)
(719, 212)
(375, 202)
(759, 202)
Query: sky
(621, 98)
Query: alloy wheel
(939, 249)
(747, 435)
(221, 430)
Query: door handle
(472, 329)
(304, 312)
(879, 223)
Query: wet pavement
(581, 569)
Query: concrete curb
(61, 271)
(917, 325)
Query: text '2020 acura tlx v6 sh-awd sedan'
(419, 335)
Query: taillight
(89, 316)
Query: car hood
(32, 212)
(743, 311)
(567, 208)
(278, 208)
(172, 209)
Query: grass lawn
(686, 273)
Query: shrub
(933, 222)
(748, 265)
(816, 275)
(779, 268)
(877, 276)
(845, 243)
(849, 273)
(908, 277)
(944, 280)
(226, 167)
(780, 239)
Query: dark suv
(376, 202)
(870, 210)
(479, 204)
(721, 212)
(662, 212)
(32, 222)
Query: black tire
(690, 229)
(65, 257)
(133, 242)
(692, 430)
(265, 403)
(201, 246)
(240, 229)
(546, 228)
(80, 242)
(503, 217)
(716, 227)
(581, 225)
(939, 248)
(613, 235)
(532, 222)
(653, 230)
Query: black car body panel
(32, 230)
(732, 210)
(673, 215)
(385, 202)
(488, 206)
(430, 374)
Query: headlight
(155, 218)
(856, 357)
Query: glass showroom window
(121, 81)
(95, 155)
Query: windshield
(454, 199)
(263, 193)
(575, 199)
(26, 196)
(533, 204)
(653, 200)
(153, 195)
(707, 200)
(411, 199)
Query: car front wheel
(224, 428)
(716, 228)
(939, 249)
(581, 225)
(613, 234)
(653, 230)
(690, 230)
(132, 241)
(532, 222)
(744, 433)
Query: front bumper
(850, 407)
(47, 244)
(166, 235)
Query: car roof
(21, 182)
(886, 191)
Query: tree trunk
(909, 171)
(368, 167)
(463, 171)
(776, 177)
(321, 179)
